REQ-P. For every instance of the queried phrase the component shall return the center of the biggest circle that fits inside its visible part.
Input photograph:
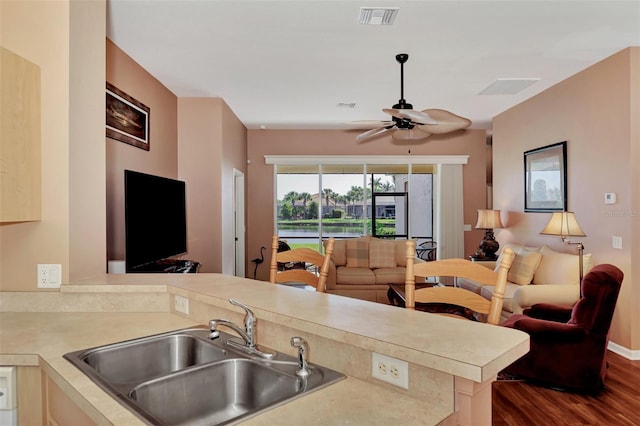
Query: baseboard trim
(625, 352)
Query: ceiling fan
(409, 124)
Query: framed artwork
(127, 120)
(545, 178)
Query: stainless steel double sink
(183, 377)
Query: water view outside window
(315, 202)
(343, 197)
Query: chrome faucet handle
(303, 347)
(249, 322)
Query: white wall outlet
(390, 370)
(49, 275)
(467, 227)
(181, 304)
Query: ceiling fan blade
(446, 122)
(409, 135)
(423, 128)
(374, 132)
(420, 117)
(368, 124)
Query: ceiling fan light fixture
(409, 134)
(377, 15)
(408, 124)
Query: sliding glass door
(317, 201)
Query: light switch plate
(181, 304)
(616, 242)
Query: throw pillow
(401, 252)
(523, 268)
(517, 249)
(339, 255)
(357, 253)
(382, 254)
(560, 268)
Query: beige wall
(592, 111)
(161, 159)
(212, 142)
(234, 156)
(198, 140)
(260, 221)
(73, 159)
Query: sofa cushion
(339, 256)
(382, 254)
(560, 268)
(394, 275)
(358, 253)
(401, 252)
(523, 267)
(350, 275)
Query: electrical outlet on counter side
(390, 370)
(49, 275)
(181, 304)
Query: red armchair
(569, 344)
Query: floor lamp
(564, 224)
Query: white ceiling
(287, 64)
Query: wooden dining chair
(458, 268)
(301, 255)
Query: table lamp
(488, 220)
(564, 224)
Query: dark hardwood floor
(518, 403)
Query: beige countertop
(461, 348)
(26, 338)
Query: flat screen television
(155, 221)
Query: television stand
(169, 266)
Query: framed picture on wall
(545, 178)
(127, 120)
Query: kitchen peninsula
(451, 362)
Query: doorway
(238, 223)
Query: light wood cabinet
(30, 400)
(20, 170)
(61, 410)
(42, 402)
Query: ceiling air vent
(377, 15)
(508, 86)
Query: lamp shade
(489, 219)
(563, 224)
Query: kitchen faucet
(248, 334)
